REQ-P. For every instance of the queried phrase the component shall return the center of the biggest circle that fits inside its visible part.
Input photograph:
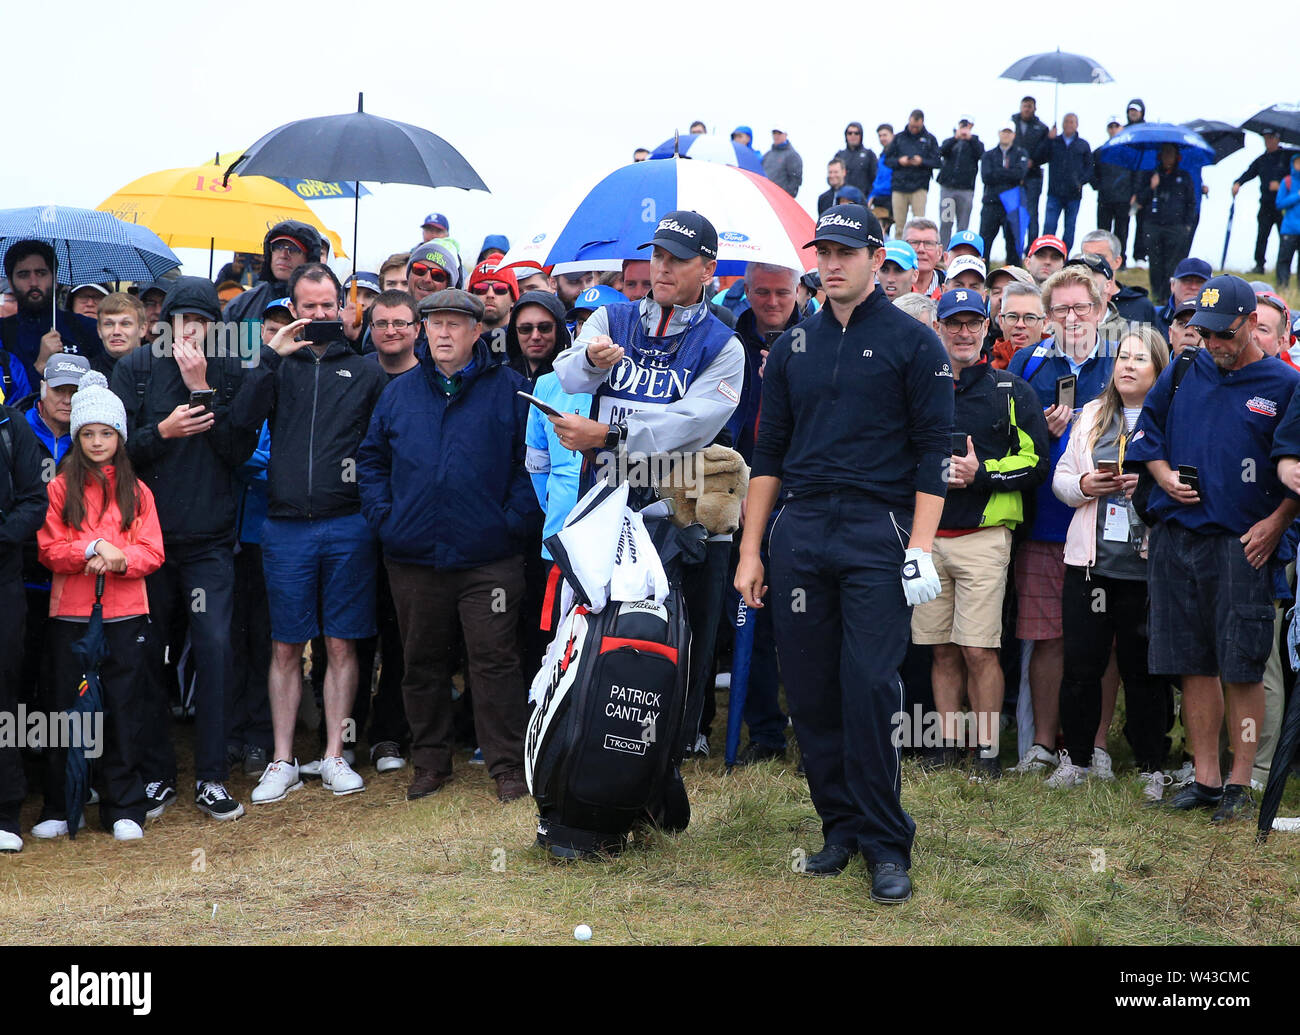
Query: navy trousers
(842, 628)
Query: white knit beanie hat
(93, 403)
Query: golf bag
(604, 742)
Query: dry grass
(1003, 863)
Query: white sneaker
(127, 830)
(387, 757)
(337, 776)
(54, 828)
(1154, 784)
(278, 779)
(1037, 757)
(10, 842)
(722, 681)
(1101, 768)
(1184, 775)
(1067, 774)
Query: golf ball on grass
(582, 932)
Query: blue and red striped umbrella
(756, 220)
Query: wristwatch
(616, 435)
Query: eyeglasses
(397, 325)
(963, 325)
(1078, 309)
(419, 269)
(1029, 319)
(494, 289)
(917, 245)
(1227, 335)
(525, 330)
(286, 248)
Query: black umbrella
(1224, 137)
(90, 651)
(1285, 118)
(357, 147)
(1280, 767)
(1057, 67)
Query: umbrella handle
(99, 587)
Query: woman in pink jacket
(1105, 597)
(101, 521)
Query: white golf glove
(920, 580)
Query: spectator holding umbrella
(1270, 167)
(1168, 197)
(101, 521)
(1031, 137)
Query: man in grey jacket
(782, 165)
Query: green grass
(1004, 863)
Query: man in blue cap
(1210, 443)
(964, 242)
(854, 441)
(435, 225)
(1189, 277)
(999, 453)
(897, 274)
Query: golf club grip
(99, 586)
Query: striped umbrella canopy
(756, 220)
(89, 246)
(710, 147)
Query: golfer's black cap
(1094, 263)
(1222, 301)
(685, 235)
(849, 225)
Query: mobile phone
(322, 332)
(1110, 467)
(203, 399)
(958, 443)
(1189, 476)
(1065, 390)
(542, 405)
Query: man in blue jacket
(1210, 445)
(1070, 158)
(445, 487)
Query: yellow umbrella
(191, 208)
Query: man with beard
(30, 268)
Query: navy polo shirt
(1223, 423)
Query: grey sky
(539, 97)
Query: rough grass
(1003, 863)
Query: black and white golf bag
(604, 743)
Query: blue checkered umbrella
(90, 246)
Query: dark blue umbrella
(742, 619)
(89, 245)
(1057, 67)
(1138, 147)
(358, 146)
(90, 652)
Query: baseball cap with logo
(1049, 241)
(966, 239)
(685, 235)
(593, 298)
(277, 304)
(901, 254)
(65, 368)
(961, 300)
(1222, 301)
(367, 281)
(964, 263)
(436, 219)
(849, 225)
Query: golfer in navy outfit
(852, 444)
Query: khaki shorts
(973, 575)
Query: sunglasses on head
(420, 269)
(495, 289)
(525, 330)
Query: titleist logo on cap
(835, 219)
(672, 224)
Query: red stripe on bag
(548, 622)
(609, 643)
